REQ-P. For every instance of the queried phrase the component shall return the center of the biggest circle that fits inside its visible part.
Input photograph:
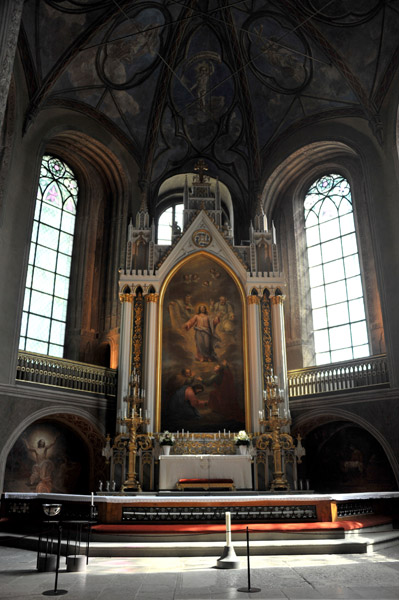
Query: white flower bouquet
(241, 438)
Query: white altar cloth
(205, 466)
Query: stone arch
(309, 421)
(108, 178)
(171, 192)
(283, 195)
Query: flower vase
(166, 449)
(242, 449)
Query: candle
(92, 498)
(224, 432)
(140, 413)
(228, 529)
(182, 432)
(229, 433)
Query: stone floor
(373, 576)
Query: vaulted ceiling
(223, 80)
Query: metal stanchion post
(55, 591)
(248, 589)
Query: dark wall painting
(343, 457)
(48, 458)
(202, 386)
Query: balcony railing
(339, 377)
(62, 373)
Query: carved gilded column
(125, 345)
(255, 360)
(10, 20)
(279, 348)
(150, 355)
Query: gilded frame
(241, 293)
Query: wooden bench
(205, 484)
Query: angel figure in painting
(205, 336)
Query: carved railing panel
(62, 373)
(339, 377)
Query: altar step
(336, 541)
(273, 539)
(350, 544)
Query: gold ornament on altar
(279, 441)
(134, 420)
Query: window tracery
(338, 311)
(47, 282)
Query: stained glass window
(166, 220)
(47, 283)
(339, 321)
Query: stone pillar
(150, 356)
(10, 20)
(255, 361)
(279, 349)
(125, 347)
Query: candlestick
(228, 528)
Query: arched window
(47, 282)
(339, 321)
(165, 222)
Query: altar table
(209, 466)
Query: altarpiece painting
(202, 377)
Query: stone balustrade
(339, 377)
(62, 373)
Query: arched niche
(343, 457)
(202, 342)
(50, 456)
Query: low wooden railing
(62, 373)
(339, 377)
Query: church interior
(199, 259)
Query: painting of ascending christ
(202, 383)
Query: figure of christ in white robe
(205, 336)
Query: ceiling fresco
(178, 80)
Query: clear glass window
(165, 222)
(47, 282)
(339, 321)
